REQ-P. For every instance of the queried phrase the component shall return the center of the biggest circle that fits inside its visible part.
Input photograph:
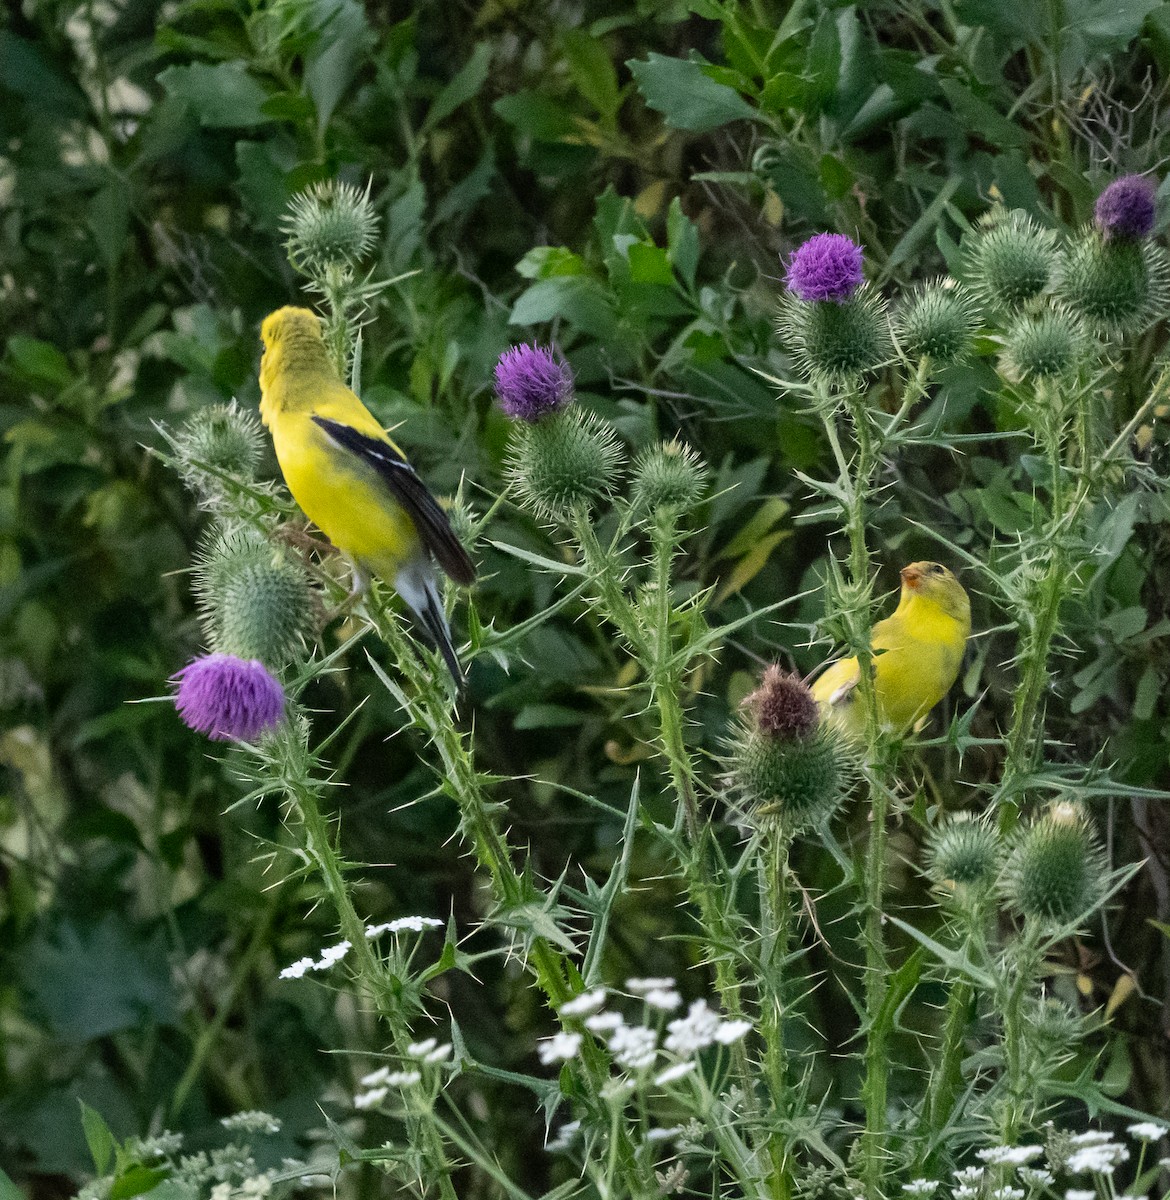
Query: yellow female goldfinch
(351, 480)
(916, 655)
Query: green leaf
(98, 1137)
(536, 115)
(39, 360)
(334, 61)
(649, 264)
(8, 1189)
(578, 299)
(545, 262)
(682, 242)
(109, 221)
(547, 716)
(464, 85)
(686, 96)
(592, 71)
(222, 96)
(137, 1181)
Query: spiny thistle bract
(564, 462)
(669, 476)
(1012, 260)
(1054, 872)
(784, 763)
(256, 602)
(1117, 285)
(836, 342)
(1044, 346)
(330, 224)
(215, 446)
(938, 322)
(963, 850)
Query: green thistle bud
(1117, 285)
(784, 762)
(1054, 1022)
(215, 446)
(963, 851)
(1012, 260)
(1054, 872)
(256, 602)
(1045, 346)
(330, 224)
(670, 476)
(939, 322)
(836, 343)
(567, 460)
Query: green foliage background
(624, 179)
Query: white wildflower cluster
(584, 1004)
(565, 1136)
(1079, 1194)
(384, 1076)
(255, 1187)
(559, 1048)
(1007, 1193)
(410, 924)
(329, 957)
(1095, 1152)
(1036, 1177)
(968, 1183)
(633, 1047)
(636, 1047)
(1010, 1156)
(920, 1187)
(252, 1121)
(1147, 1131)
(429, 1051)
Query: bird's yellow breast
(917, 657)
(339, 493)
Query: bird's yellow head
(932, 582)
(293, 347)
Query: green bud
(1044, 346)
(255, 600)
(784, 763)
(1054, 873)
(1053, 1021)
(330, 225)
(1012, 260)
(670, 476)
(938, 323)
(215, 446)
(1117, 285)
(963, 851)
(566, 461)
(833, 342)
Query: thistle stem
(775, 918)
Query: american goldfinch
(351, 480)
(917, 652)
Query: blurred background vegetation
(625, 179)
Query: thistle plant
(645, 1094)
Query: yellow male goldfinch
(917, 653)
(350, 479)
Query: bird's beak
(911, 577)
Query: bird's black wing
(433, 525)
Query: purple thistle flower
(228, 698)
(531, 382)
(1126, 208)
(826, 267)
(783, 705)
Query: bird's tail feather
(417, 587)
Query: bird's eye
(936, 569)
